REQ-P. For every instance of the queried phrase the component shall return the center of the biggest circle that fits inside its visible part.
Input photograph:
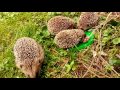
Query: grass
(96, 61)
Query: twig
(88, 69)
(107, 20)
(117, 55)
(108, 64)
(101, 26)
(96, 71)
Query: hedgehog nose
(30, 76)
(34, 75)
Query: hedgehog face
(30, 69)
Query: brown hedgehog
(115, 16)
(59, 23)
(68, 38)
(87, 20)
(29, 56)
(115, 13)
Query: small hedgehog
(87, 20)
(115, 16)
(69, 38)
(59, 23)
(29, 56)
(115, 13)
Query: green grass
(58, 63)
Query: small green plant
(116, 40)
(69, 66)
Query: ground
(100, 60)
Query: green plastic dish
(83, 45)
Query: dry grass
(98, 63)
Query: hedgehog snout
(30, 74)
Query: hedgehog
(115, 13)
(115, 16)
(69, 38)
(59, 23)
(87, 20)
(29, 56)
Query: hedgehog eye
(28, 75)
(21, 66)
(39, 62)
(88, 25)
